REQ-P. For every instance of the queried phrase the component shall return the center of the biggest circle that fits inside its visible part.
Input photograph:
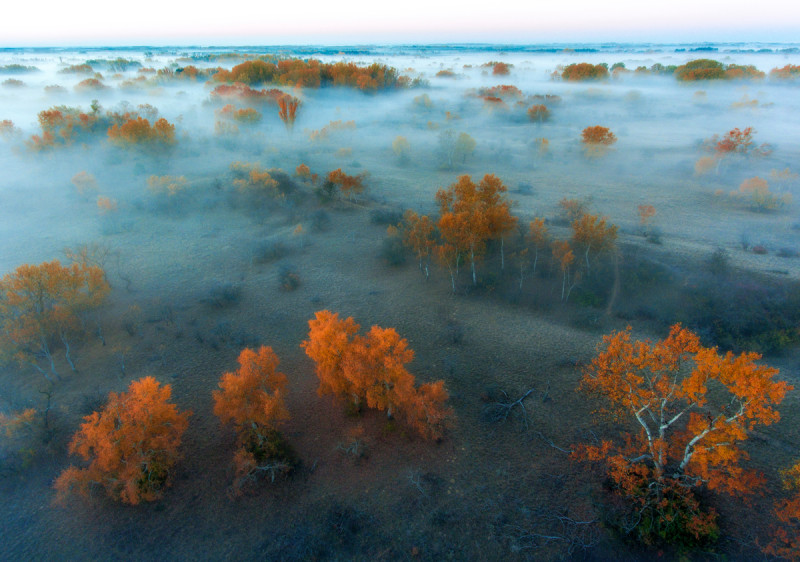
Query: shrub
(289, 279)
(385, 216)
(401, 149)
(223, 294)
(393, 251)
(13, 83)
(84, 182)
(756, 189)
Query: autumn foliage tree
(347, 185)
(691, 409)
(41, 307)
(252, 400)
(62, 126)
(735, 141)
(370, 371)
(131, 445)
(785, 541)
(593, 234)
(563, 254)
(597, 139)
(537, 236)
(287, 110)
(539, 113)
(470, 216)
(418, 236)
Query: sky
(264, 22)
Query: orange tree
(348, 185)
(471, 215)
(41, 305)
(691, 407)
(132, 445)
(593, 234)
(251, 398)
(370, 371)
(598, 135)
(786, 538)
(537, 236)
(287, 110)
(497, 209)
(418, 235)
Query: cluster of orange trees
(370, 371)
(246, 115)
(62, 126)
(694, 70)
(313, 74)
(788, 72)
(132, 444)
(709, 69)
(581, 71)
(139, 132)
(472, 215)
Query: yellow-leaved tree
(41, 307)
(252, 400)
(690, 408)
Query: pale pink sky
(165, 22)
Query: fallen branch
(499, 411)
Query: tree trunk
(472, 263)
(615, 289)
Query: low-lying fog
(660, 124)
